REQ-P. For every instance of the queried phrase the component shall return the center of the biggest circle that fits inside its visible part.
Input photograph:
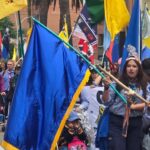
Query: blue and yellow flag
(50, 81)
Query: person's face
(94, 75)
(132, 69)
(3, 65)
(10, 65)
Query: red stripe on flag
(109, 51)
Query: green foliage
(6, 23)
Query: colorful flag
(10, 6)
(64, 33)
(146, 28)
(132, 42)
(107, 39)
(116, 15)
(84, 23)
(87, 35)
(96, 10)
(77, 32)
(14, 56)
(86, 49)
(113, 51)
(50, 81)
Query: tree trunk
(29, 12)
(43, 11)
(64, 10)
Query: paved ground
(1, 136)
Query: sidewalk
(1, 136)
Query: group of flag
(53, 73)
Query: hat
(73, 116)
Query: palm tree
(43, 6)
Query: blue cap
(73, 116)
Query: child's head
(73, 124)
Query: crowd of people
(104, 120)
(100, 119)
(9, 72)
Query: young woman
(125, 122)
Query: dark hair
(90, 81)
(141, 81)
(146, 66)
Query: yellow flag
(146, 27)
(116, 15)
(146, 42)
(10, 6)
(29, 34)
(64, 33)
(14, 54)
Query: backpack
(77, 144)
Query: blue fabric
(50, 75)
(115, 50)
(4, 53)
(86, 27)
(133, 34)
(145, 53)
(107, 39)
(102, 131)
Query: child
(73, 135)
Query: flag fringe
(8, 146)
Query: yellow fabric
(14, 54)
(146, 28)
(64, 33)
(29, 34)
(146, 42)
(10, 6)
(8, 146)
(73, 101)
(116, 15)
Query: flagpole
(20, 32)
(83, 57)
(17, 43)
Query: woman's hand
(106, 82)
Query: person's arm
(106, 92)
(97, 81)
(137, 106)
